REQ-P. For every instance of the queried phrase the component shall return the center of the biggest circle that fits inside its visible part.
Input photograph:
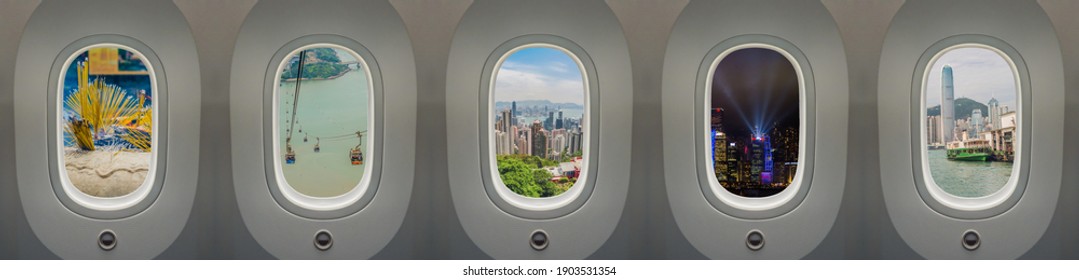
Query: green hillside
(963, 108)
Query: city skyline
(970, 145)
(538, 122)
(754, 122)
(978, 74)
(959, 67)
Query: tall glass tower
(513, 113)
(977, 124)
(994, 113)
(947, 104)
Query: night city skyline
(754, 122)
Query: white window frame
(783, 197)
(1004, 193)
(291, 194)
(544, 203)
(140, 193)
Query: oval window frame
(358, 197)
(939, 200)
(147, 193)
(502, 196)
(713, 191)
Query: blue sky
(978, 73)
(539, 73)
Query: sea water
(968, 178)
(333, 110)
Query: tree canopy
(525, 176)
(327, 65)
(317, 70)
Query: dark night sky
(755, 86)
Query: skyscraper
(933, 131)
(575, 141)
(513, 113)
(503, 143)
(558, 123)
(514, 134)
(549, 123)
(756, 160)
(524, 144)
(539, 140)
(504, 120)
(558, 144)
(994, 113)
(947, 103)
(766, 174)
(719, 155)
(498, 142)
(976, 123)
(717, 119)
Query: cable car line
(290, 155)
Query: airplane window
(753, 122)
(107, 123)
(322, 114)
(540, 129)
(970, 122)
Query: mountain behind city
(963, 107)
(534, 103)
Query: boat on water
(970, 150)
(969, 154)
(1005, 156)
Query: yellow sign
(103, 61)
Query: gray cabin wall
(431, 229)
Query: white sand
(105, 173)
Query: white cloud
(978, 74)
(516, 82)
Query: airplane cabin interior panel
(539, 130)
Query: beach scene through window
(107, 121)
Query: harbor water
(968, 178)
(333, 110)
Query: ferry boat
(970, 150)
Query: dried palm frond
(101, 106)
(138, 138)
(80, 131)
(140, 126)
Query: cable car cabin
(290, 156)
(356, 156)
